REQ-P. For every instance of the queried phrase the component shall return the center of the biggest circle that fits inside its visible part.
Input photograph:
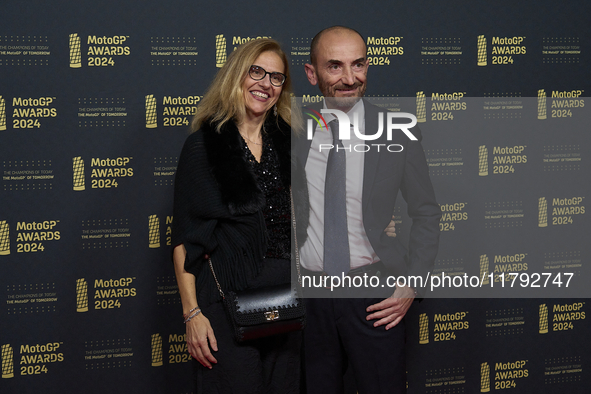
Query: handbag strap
(297, 252)
(295, 237)
(216, 279)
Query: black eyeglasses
(257, 73)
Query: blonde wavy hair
(224, 99)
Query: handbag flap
(266, 304)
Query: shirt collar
(358, 109)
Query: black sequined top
(277, 209)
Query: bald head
(339, 66)
(343, 31)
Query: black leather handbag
(268, 310)
(264, 312)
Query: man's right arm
(423, 209)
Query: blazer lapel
(372, 157)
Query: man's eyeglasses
(258, 73)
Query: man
(364, 332)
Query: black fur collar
(237, 182)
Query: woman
(232, 203)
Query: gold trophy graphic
(7, 362)
(2, 114)
(482, 160)
(220, 51)
(543, 319)
(541, 104)
(75, 52)
(78, 169)
(542, 212)
(156, 350)
(481, 51)
(153, 231)
(81, 295)
(151, 121)
(421, 107)
(423, 329)
(484, 378)
(484, 269)
(4, 238)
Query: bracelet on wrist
(195, 313)
(191, 311)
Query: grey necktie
(336, 239)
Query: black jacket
(218, 205)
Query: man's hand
(391, 310)
(390, 230)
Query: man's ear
(311, 74)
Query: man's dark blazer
(386, 173)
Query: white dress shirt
(361, 251)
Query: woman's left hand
(200, 338)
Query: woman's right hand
(199, 340)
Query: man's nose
(348, 76)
